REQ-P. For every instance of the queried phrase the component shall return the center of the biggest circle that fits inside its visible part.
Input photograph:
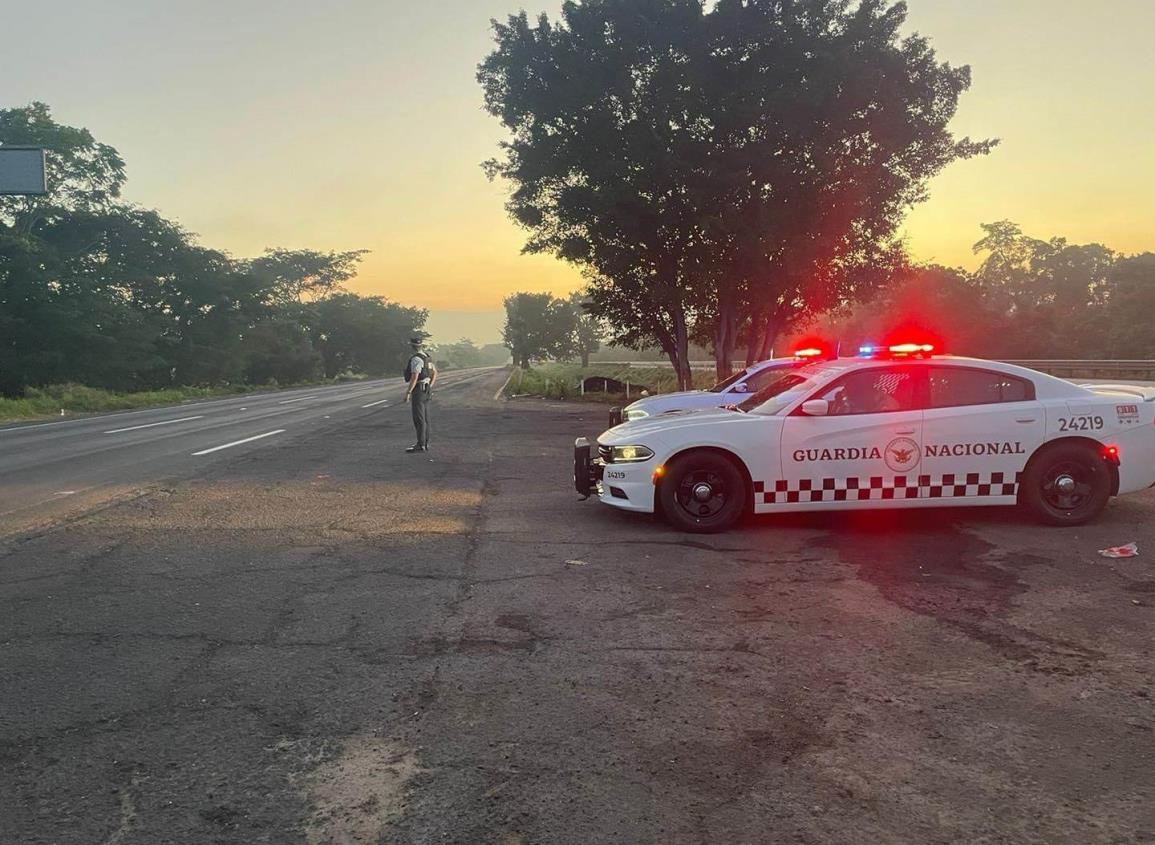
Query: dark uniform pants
(420, 400)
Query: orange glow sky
(358, 124)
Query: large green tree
(739, 167)
(83, 174)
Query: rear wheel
(1066, 484)
(703, 492)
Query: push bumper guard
(587, 472)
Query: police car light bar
(897, 350)
(912, 349)
(811, 352)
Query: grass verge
(43, 402)
(561, 380)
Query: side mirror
(816, 408)
(741, 387)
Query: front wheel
(703, 492)
(1066, 484)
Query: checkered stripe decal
(881, 488)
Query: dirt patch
(358, 794)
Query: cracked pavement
(329, 641)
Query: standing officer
(422, 376)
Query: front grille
(606, 453)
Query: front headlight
(631, 454)
(635, 414)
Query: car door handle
(1025, 419)
(904, 431)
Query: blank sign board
(22, 171)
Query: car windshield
(721, 386)
(778, 395)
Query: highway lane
(53, 468)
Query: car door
(865, 449)
(979, 429)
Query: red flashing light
(813, 348)
(912, 349)
(1111, 454)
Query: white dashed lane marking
(237, 443)
(153, 425)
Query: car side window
(958, 386)
(762, 379)
(872, 391)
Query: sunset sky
(358, 124)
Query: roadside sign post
(22, 171)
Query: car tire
(1066, 484)
(703, 492)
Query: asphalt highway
(52, 468)
(317, 639)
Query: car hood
(663, 399)
(631, 433)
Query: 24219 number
(1080, 423)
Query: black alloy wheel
(703, 492)
(1066, 484)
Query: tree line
(98, 291)
(1029, 299)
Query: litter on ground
(1129, 550)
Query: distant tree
(1128, 332)
(366, 334)
(465, 353)
(460, 355)
(494, 355)
(1052, 291)
(279, 350)
(297, 275)
(537, 325)
(943, 302)
(587, 331)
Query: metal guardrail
(1140, 370)
(1072, 368)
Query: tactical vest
(425, 373)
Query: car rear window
(958, 386)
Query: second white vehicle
(727, 392)
(899, 429)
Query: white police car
(734, 389)
(900, 429)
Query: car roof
(1046, 386)
(773, 362)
